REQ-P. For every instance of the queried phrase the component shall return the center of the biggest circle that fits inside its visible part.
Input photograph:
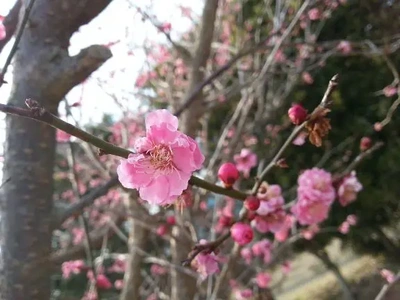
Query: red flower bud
(171, 220)
(252, 203)
(228, 173)
(225, 221)
(297, 114)
(365, 143)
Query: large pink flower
(164, 162)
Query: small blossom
(365, 143)
(310, 232)
(206, 264)
(228, 174)
(156, 269)
(62, 136)
(245, 161)
(263, 280)
(72, 267)
(378, 126)
(307, 78)
(119, 284)
(344, 47)
(348, 189)
(388, 275)
(297, 114)
(242, 233)
(166, 27)
(314, 14)
(162, 169)
(252, 203)
(300, 139)
(246, 255)
(352, 220)
(344, 228)
(2, 29)
(162, 230)
(390, 91)
(243, 294)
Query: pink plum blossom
(2, 29)
(348, 189)
(119, 284)
(307, 78)
(246, 254)
(300, 139)
(388, 275)
(390, 91)
(314, 14)
(310, 232)
(263, 280)
(344, 47)
(72, 267)
(243, 294)
(352, 220)
(206, 264)
(242, 233)
(62, 136)
(245, 161)
(164, 162)
(315, 194)
(344, 228)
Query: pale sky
(118, 22)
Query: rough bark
(138, 237)
(43, 71)
(182, 286)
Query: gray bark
(138, 238)
(43, 71)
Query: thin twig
(75, 186)
(324, 103)
(17, 40)
(385, 289)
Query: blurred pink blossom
(263, 280)
(245, 161)
(348, 189)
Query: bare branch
(76, 208)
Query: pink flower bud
(297, 114)
(228, 173)
(171, 220)
(242, 233)
(162, 230)
(263, 280)
(252, 203)
(225, 221)
(103, 282)
(365, 143)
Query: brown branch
(385, 289)
(324, 103)
(86, 200)
(38, 113)
(209, 247)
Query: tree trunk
(138, 237)
(45, 72)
